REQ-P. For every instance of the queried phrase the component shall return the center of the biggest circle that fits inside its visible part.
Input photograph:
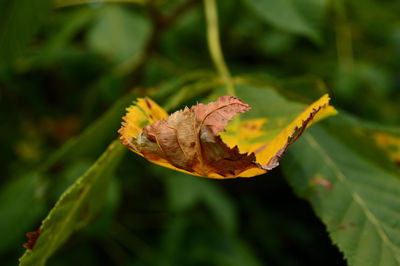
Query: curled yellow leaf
(189, 140)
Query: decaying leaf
(32, 237)
(189, 140)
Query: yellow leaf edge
(270, 156)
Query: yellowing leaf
(189, 141)
(143, 113)
(248, 135)
(273, 151)
(391, 144)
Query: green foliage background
(68, 68)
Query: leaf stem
(214, 45)
(343, 39)
(61, 3)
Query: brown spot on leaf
(321, 181)
(342, 227)
(332, 222)
(261, 148)
(85, 211)
(148, 103)
(32, 238)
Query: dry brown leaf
(188, 140)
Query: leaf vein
(356, 197)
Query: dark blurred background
(79, 59)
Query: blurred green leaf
(173, 239)
(373, 126)
(106, 219)
(276, 43)
(76, 61)
(91, 140)
(305, 89)
(359, 136)
(168, 89)
(95, 136)
(303, 17)
(87, 144)
(20, 19)
(222, 207)
(77, 207)
(77, 20)
(357, 200)
(238, 253)
(188, 91)
(120, 34)
(185, 191)
(21, 203)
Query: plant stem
(60, 3)
(343, 39)
(214, 45)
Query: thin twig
(68, 3)
(214, 44)
(343, 39)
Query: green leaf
(76, 207)
(186, 191)
(183, 192)
(357, 200)
(77, 20)
(354, 192)
(20, 204)
(104, 129)
(303, 89)
(88, 144)
(20, 19)
(360, 137)
(303, 17)
(221, 206)
(119, 34)
(237, 253)
(95, 136)
(23, 190)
